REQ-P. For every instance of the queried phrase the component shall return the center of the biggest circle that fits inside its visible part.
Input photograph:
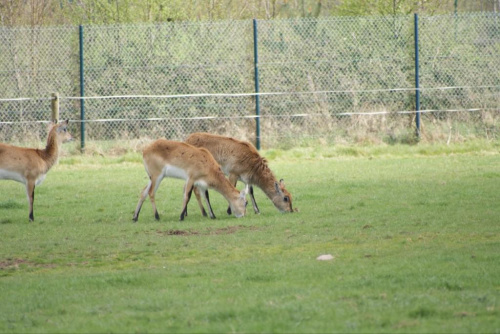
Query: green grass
(414, 231)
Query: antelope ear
(282, 183)
(278, 189)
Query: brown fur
(241, 161)
(30, 165)
(201, 169)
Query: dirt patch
(12, 263)
(16, 263)
(208, 231)
(177, 232)
(228, 230)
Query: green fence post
(82, 94)
(417, 83)
(256, 79)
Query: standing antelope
(165, 158)
(241, 161)
(30, 165)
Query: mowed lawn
(413, 231)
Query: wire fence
(275, 82)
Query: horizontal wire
(247, 94)
(403, 112)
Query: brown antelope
(241, 161)
(30, 165)
(165, 158)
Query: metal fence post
(417, 84)
(82, 94)
(256, 79)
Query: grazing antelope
(165, 158)
(30, 165)
(241, 161)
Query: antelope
(31, 165)
(166, 158)
(241, 161)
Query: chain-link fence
(329, 79)
(460, 75)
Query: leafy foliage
(50, 12)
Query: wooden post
(55, 107)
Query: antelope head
(282, 198)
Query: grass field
(414, 232)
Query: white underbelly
(179, 173)
(201, 185)
(175, 172)
(10, 175)
(40, 179)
